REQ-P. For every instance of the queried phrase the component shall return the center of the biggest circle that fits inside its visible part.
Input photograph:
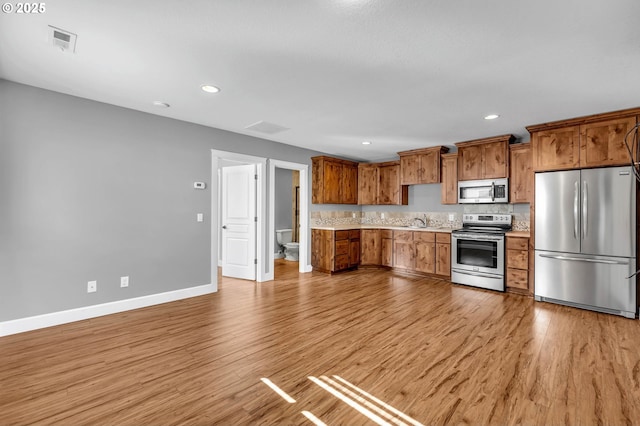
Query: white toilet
(290, 249)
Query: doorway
(302, 220)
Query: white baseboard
(63, 317)
(278, 255)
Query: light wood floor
(439, 353)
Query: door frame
(261, 164)
(303, 253)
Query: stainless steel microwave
(486, 191)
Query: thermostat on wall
(199, 185)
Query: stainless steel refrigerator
(585, 239)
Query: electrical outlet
(124, 281)
(452, 217)
(92, 286)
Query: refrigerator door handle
(575, 210)
(582, 259)
(585, 208)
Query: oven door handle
(493, 191)
(476, 274)
(477, 237)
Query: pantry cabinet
(334, 181)
(583, 142)
(420, 166)
(449, 187)
(486, 158)
(520, 174)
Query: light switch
(199, 217)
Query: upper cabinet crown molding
(590, 141)
(486, 158)
(419, 166)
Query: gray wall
(90, 191)
(283, 183)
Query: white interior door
(239, 221)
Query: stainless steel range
(477, 251)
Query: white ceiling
(402, 74)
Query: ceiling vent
(63, 40)
(266, 127)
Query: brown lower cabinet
(518, 264)
(334, 251)
(412, 251)
(422, 251)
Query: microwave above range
(485, 191)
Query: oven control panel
(487, 219)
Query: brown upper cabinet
(520, 174)
(449, 186)
(484, 158)
(334, 181)
(379, 184)
(420, 166)
(592, 141)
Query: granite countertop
(395, 228)
(522, 234)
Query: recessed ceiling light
(210, 89)
(161, 104)
(366, 143)
(491, 117)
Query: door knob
(224, 226)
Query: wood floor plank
(440, 353)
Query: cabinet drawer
(517, 259)
(386, 233)
(517, 278)
(342, 247)
(517, 243)
(342, 235)
(354, 234)
(443, 237)
(341, 262)
(402, 235)
(424, 236)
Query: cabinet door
(332, 182)
(425, 257)
(470, 163)
(443, 259)
(371, 253)
(520, 176)
(317, 177)
(354, 252)
(389, 184)
(321, 249)
(602, 144)
(403, 254)
(449, 188)
(367, 184)
(557, 149)
(386, 252)
(494, 160)
(410, 169)
(429, 171)
(349, 184)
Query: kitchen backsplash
(435, 219)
